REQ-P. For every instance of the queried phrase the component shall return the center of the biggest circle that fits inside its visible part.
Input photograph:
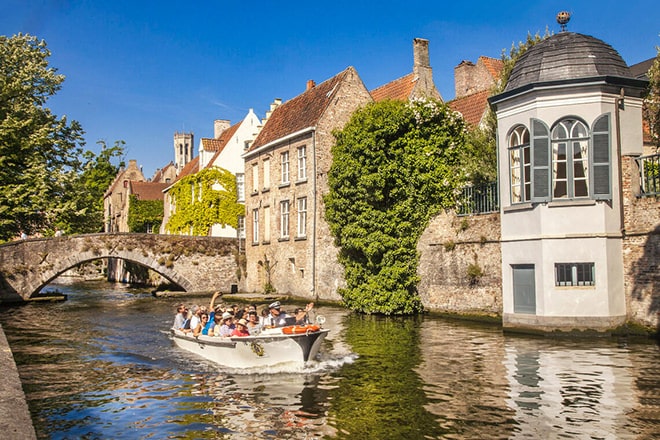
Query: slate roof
(472, 107)
(641, 70)
(567, 56)
(220, 143)
(148, 190)
(301, 112)
(398, 90)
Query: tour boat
(285, 345)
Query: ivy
(395, 164)
(143, 214)
(203, 199)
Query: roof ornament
(563, 18)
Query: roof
(190, 168)
(148, 190)
(566, 56)
(158, 175)
(399, 89)
(641, 70)
(222, 141)
(301, 112)
(471, 107)
(493, 65)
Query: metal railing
(479, 199)
(649, 175)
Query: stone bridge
(193, 263)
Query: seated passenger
(227, 327)
(241, 328)
(253, 324)
(180, 317)
(201, 325)
(302, 315)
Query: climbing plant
(203, 199)
(144, 214)
(395, 164)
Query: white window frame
(266, 173)
(266, 224)
(302, 162)
(240, 187)
(255, 225)
(284, 160)
(255, 177)
(285, 210)
(520, 165)
(302, 217)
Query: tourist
(180, 317)
(194, 319)
(253, 324)
(302, 315)
(203, 319)
(276, 317)
(227, 327)
(241, 328)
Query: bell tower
(183, 149)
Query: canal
(100, 365)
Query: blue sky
(139, 71)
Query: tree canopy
(46, 180)
(395, 164)
(652, 101)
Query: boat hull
(265, 349)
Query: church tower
(183, 149)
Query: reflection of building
(570, 115)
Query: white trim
(267, 146)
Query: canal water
(101, 365)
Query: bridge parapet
(194, 263)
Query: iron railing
(649, 174)
(479, 199)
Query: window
(302, 163)
(266, 173)
(284, 218)
(241, 227)
(520, 165)
(255, 225)
(240, 187)
(575, 274)
(285, 167)
(302, 217)
(255, 177)
(570, 160)
(266, 224)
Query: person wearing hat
(241, 328)
(276, 317)
(227, 327)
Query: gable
(399, 90)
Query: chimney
(310, 84)
(420, 53)
(220, 125)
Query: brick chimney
(310, 84)
(220, 125)
(422, 71)
(420, 53)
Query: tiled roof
(209, 144)
(148, 190)
(301, 112)
(190, 168)
(472, 107)
(398, 90)
(493, 65)
(222, 141)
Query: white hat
(227, 315)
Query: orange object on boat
(297, 329)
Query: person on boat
(195, 318)
(241, 328)
(276, 317)
(180, 317)
(227, 327)
(201, 325)
(302, 315)
(253, 324)
(213, 310)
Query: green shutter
(540, 146)
(601, 158)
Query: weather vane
(563, 18)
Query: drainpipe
(314, 290)
(617, 109)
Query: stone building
(115, 199)
(473, 84)
(183, 149)
(574, 229)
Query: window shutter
(540, 146)
(601, 162)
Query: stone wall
(641, 249)
(454, 250)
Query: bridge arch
(193, 263)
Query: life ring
(298, 329)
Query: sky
(139, 71)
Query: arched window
(570, 159)
(520, 164)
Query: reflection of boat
(270, 347)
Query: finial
(563, 18)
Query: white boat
(287, 345)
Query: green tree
(395, 164)
(203, 199)
(652, 101)
(39, 152)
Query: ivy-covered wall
(143, 214)
(203, 199)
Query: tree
(652, 102)
(39, 152)
(395, 164)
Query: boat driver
(276, 317)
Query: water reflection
(100, 366)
